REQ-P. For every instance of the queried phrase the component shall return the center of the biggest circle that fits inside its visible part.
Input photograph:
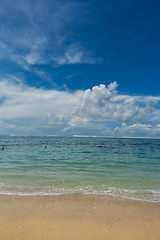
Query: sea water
(123, 167)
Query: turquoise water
(90, 165)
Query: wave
(148, 195)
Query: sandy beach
(74, 216)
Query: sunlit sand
(71, 217)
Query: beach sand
(76, 217)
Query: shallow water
(90, 165)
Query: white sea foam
(148, 196)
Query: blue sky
(80, 68)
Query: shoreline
(77, 216)
(142, 198)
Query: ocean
(121, 167)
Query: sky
(89, 68)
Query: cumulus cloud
(25, 109)
(138, 130)
(105, 104)
(77, 121)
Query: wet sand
(77, 217)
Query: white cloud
(76, 54)
(28, 110)
(138, 130)
(27, 107)
(37, 32)
(77, 121)
(105, 104)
